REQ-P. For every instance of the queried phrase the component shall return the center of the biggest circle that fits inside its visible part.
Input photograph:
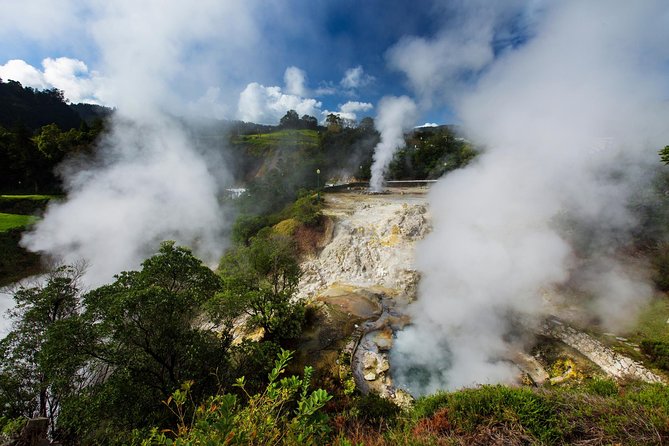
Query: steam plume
(147, 183)
(396, 115)
(571, 121)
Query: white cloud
(21, 71)
(72, 76)
(325, 89)
(350, 110)
(40, 19)
(295, 80)
(355, 78)
(356, 106)
(267, 105)
(69, 75)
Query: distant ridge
(33, 109)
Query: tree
(259, 280)
(37, 370)
(146, 341)
(664, 155)
(367, 123)
(291, 120)
(145, 321)
(309, 122)
(333, 122)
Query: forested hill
(33, 109)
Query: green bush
(285, 413)
(470, 408)
(602, 387)
(374, 409)
(307, 210)
(660, 262)
(247, 226)
(658, 352)
(10, 427)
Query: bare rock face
(374, 365)
(383, 339)
(612, 363)
(372, 245)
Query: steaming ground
(571, 122)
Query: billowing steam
(571, 121)
(154, 187)
(147, 183)
(396, 115)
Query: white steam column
(396, 115)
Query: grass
(597, 412)
(25, 204)
(28, 197)
(652, 323)
(297, 138)
(13, 221)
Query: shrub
(602, 387)
(374, 409)
(658, 352)
(286, 227)
(660, 261)
(307, 210)
(469, 409)
(246, 226)
(286, 412)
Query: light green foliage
(11, 221)
(602, 387)
(28, 197)
(288, 137)
(307, 210)
(285, 413)
(595, 412)
(10, 428)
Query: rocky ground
(366, 272)
(364, 276)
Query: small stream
(376, 336)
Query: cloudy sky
(254, 60)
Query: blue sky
(253, 60)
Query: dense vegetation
(98, 364)
(132, 363)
